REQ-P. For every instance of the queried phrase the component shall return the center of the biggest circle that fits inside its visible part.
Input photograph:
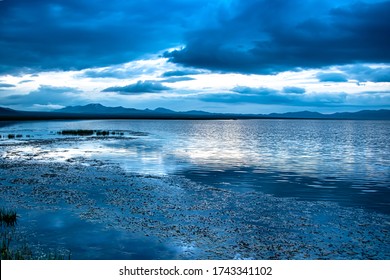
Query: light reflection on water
(344, 161)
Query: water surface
(332, 160)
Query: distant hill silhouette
(366, 114)
(361, 115)
(7, 111)
(96, 108)
(98, 111)
(163, 110)
(302, 115)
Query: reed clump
(11, 247)
(7, 217)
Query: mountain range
(98, 111)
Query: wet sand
(204, 222)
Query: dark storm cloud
(251, 36)
(331, 77)
(270, 36)
(139, 88)
(73, 34)
(44, 95)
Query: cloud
(138, 88)
(5, 85)
(253, 36)
(271, 36)
(185, 72)
(291, 96)
(73, 34)
(364, 73)
(229, 98)
(128, 70)
(296, 90)
(371, 99)
(25, 81)
(332, 77)
(254, 91)
(177, 79)
(48, 107)
(44, 95)
(315, 100)
(242, 94)
(107, 73)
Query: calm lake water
(343, 161)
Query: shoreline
(175, 218)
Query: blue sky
(248, 56)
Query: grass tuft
(7, 217)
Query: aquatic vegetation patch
(102, 133)
(46, 139)
(84, 132)
(77, 132)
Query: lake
(342, 161)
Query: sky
(237, 56)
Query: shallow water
(343, 161)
